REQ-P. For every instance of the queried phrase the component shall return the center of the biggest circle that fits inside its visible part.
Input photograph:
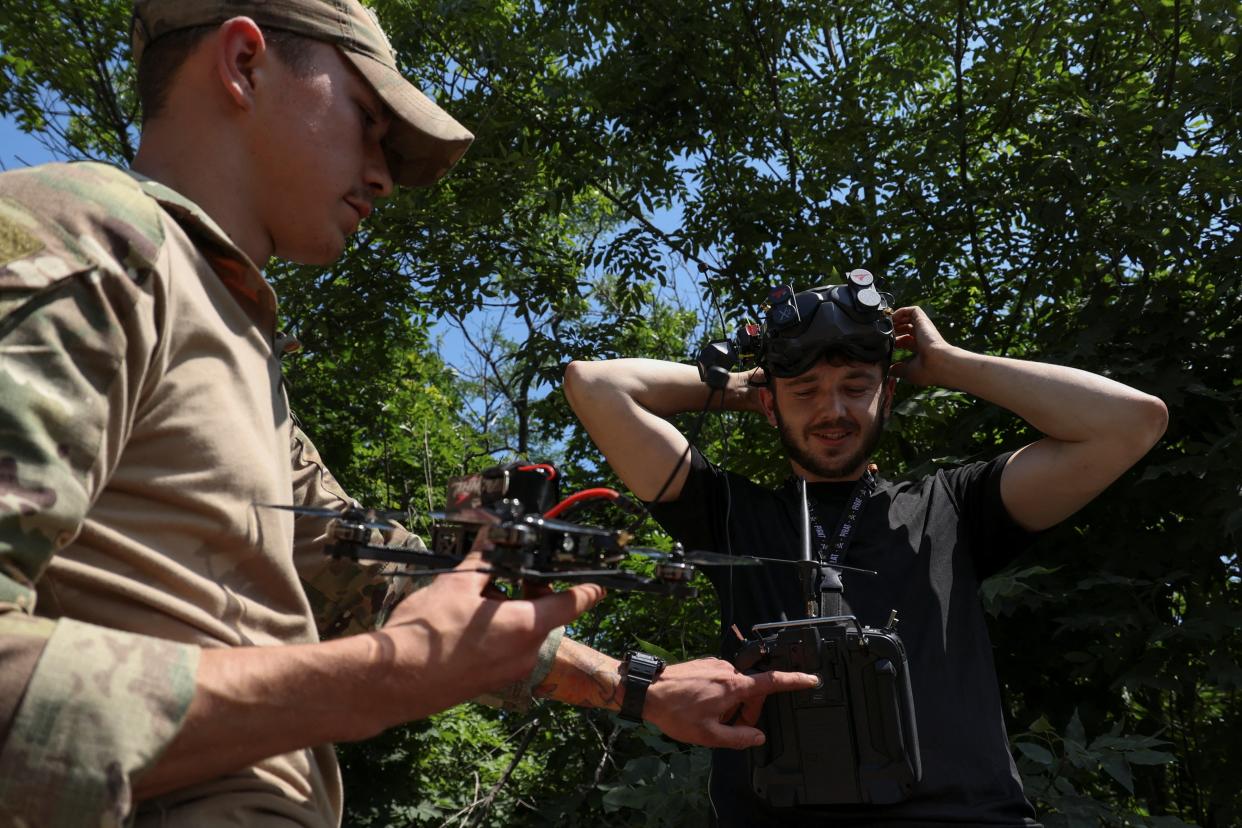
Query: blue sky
(17, 149)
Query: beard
(798, 447)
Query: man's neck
(812, 477)
(209, 179)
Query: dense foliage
(1056, 180)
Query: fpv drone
(517, 508)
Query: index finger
(778, 681)
(906, 310)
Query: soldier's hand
(708, 702)
(459, 637)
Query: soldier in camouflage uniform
(172, 655)
(142, 416)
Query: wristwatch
(639, 670)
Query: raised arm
(623, 404)
(1094, 428)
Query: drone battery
(851, 739)
(535, 486)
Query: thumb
(559, 608)
(737, 737)
(536, 589)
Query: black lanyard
(831, 550)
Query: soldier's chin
(320, 252)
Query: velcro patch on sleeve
(16, 242)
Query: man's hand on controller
(708, 702)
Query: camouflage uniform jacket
(141, 416)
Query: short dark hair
(163, 58)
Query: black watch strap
(641, 670)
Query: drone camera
(674, 571)
(347, 531)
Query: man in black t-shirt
(930, 541)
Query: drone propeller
(564, 526)
(368, 518)
(421, 572)
(382, 553)
(533, 520)
(607, 578)
(603, 577)
(696, 556)
(301, 510)
(817, 563)
(615, 579)
(370, 514)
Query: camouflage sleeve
(82, 708)
(347, 597)
(520, 695)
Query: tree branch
(486, 805)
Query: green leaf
(643, 769)
(1042, 725)
(657, 651)
(1149, 757)
(627, 796)
(1118, 769)
(1074, 730)
(1037, 753)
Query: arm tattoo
(583, 677)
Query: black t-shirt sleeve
(995, 538)
(692, 518)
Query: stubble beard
(801, 453)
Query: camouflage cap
(424, 140)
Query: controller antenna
(808, 565)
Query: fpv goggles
(853, 318)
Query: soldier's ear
(241, 60)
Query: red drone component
(546, 468)
(579, 497)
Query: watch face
(643, 664)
